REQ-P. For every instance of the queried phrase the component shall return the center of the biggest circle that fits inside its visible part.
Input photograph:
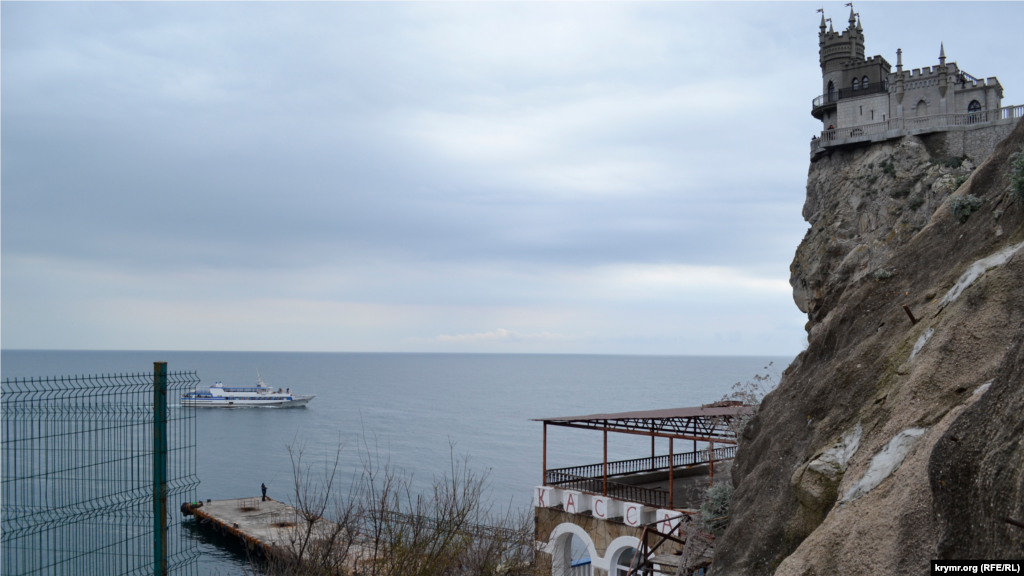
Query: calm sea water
(415, 409)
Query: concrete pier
(260, 524)
(268, 528)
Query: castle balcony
(900, 127)
(827, 102)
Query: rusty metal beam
(605, 489)
(671, 478)
(545, 480)
(721, 439)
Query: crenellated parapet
(837, 48)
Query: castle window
(856, 84)
(922, 108)
(974, 112)
(831, 91)
(864, 83)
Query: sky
(606, 178)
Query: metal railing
(590, 478)
(902, 126)
(639, 465)
(843, 93)
(625, 492)
(89, 464)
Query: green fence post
(160, 469)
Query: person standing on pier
(264, 486)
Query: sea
(416, 411)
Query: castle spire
(942, 54)
(859, 28)
(822, 10)
(853, 16)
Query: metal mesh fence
(79, 463)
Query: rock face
(889, 443)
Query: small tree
(751, 393)
(714, 509)
(382, 527)
(963, 206)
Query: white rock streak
(983, 388)
(976, 270)
(835, 458)
(884, 463)
(921, 342)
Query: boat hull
(295, 402)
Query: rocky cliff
(890, 442)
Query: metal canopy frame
(702, 423)
(708, 423)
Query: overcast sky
(442, 177)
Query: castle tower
(838, 49)
(847, 74)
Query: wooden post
(159, 468)
(671, 478)
(544, 482)
(711, 463)
(604, 491)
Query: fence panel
(78, 475)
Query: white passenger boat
(220, 396)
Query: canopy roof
(703, 423)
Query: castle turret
(845, 72)
(900, 90)
(943, 74)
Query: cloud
(589, 177)
(499, 335)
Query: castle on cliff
(862, 98)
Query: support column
(159, 468)
(671, 478)
(652, 452)
(604, 490)
(711, 463)
(544, 482)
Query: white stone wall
(860, 111)
(829, 119)
(987, 96)
(836, 77)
